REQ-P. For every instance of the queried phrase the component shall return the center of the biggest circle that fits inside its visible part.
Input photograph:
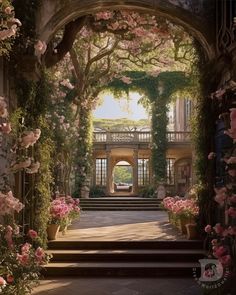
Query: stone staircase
(123, 258)
(121, 204)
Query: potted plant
(58, 211)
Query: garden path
(122, 225)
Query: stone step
(120, 205)
(124, 245)
(108, 269)
(94, 208)
(127, 255)
(97, 200)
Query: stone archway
(125, 187)
(193, 15)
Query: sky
(116, 109)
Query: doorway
(123, 177)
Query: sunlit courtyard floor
(122, 225)
(118, 226)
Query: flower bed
(181, 211)
(21, 257)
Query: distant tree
(123, 174)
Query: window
(170, 173)
(188, 112)
(143, 172)
(101, 172)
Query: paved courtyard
(118, 286)
(122, 225)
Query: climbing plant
(158, 91)
(33, 98)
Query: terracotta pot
(192, 233)
(183, 221)
(52, 231)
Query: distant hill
(121, 124)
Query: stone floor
(122, 225)
(118, 286)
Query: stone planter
(52, 231)
(192, 233)
(85, 192)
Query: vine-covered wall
(158, 91)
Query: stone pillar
(93, 181)
(135, 172)
(109, 172)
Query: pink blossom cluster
(222, 197)
(180, 206)
(64, 206)
(218, 229)
(58, 210)
(67, 84)
(220, 250)
(9, 204)
(232, 131)
(28, 258)
(9, 24)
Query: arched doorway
(192, 16)
(123, 178)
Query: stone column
(135, 172)
(94, 170)
(109, 171)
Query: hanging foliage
(158, 91)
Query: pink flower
(221, 195)
(231, 212)
(208, 229)
(23, 259)
(104, 15)
(232, 230)
(231, 160)
(39, 254)
(2, 283)
(232, 172)
(25, 248)
(40, 48)
(225, 260)
(10, 279)
(32, 234)
(219, 251)
(126, 80)
(233, 199)
(211, 156)
(8, 10)
(214, 242)
(5, 128)
(218, 228)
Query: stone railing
(137, 136)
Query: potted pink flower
(59, 210)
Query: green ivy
(84, 151)
(33, 98)
(158, 90)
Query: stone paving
(122, 225)
(118, 286)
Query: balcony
(136, 137)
